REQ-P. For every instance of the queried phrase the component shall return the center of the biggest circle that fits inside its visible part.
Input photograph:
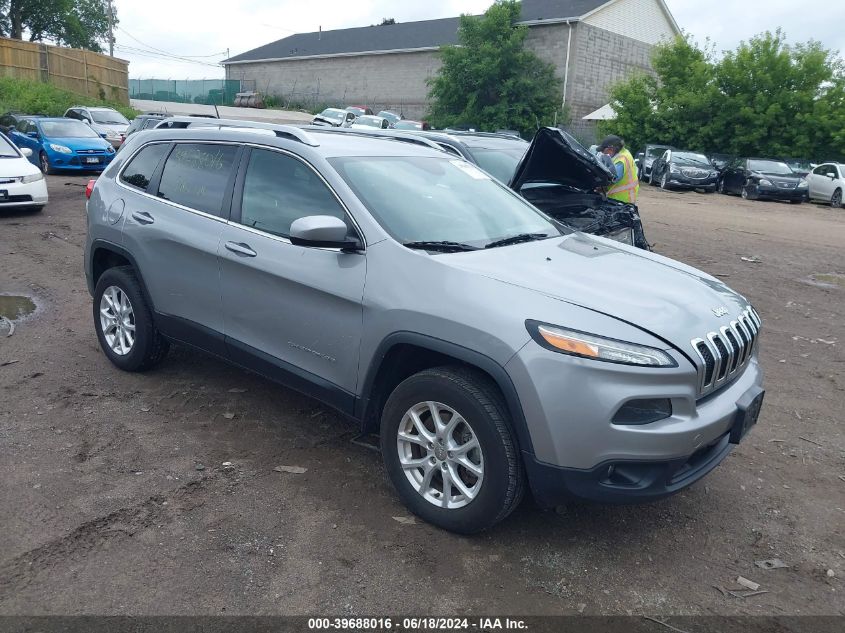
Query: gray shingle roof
(402, 35)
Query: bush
(34, 97)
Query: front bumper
(782, 193)
(680, 181)
(23, 195)
(78, 162)
(569, 404)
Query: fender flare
(464, 354)
(100, 244)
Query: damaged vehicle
(564, 180)
(334, 117)
(555, 173)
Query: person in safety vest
(626, 187)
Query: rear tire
(836, 199)
(124, 322)
(496, 481)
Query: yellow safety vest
(628, 188)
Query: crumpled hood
(556, 157)
(671, 300)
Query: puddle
(827, 280)
(15, 307)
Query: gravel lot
(115, 499)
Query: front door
(295, 311)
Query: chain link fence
(200, 91)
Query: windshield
(390, 116)
(337, 115)
(799, 165)
(67, 129)
(499, 163)
(7, 150)
(656, 152)
(109, 116)
(428, 199)
(770, 167)
(688, 158)
(369, 121)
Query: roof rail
(394, 135)
(282, 131)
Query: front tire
(124, 322)
(448, 449)
(44, 163)
(664, 181)
(748, 194)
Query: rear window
(140, 169)
(195, 175)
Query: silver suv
(492, 348)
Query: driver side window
(279, 189)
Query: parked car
(368, 121)
(826, 184)
(720, 161)
(547, 359)
(9, 121)
(334, 117)
(107, 122)
(645, 159)
(558, 176)
(407, 124)
(800, 166)
(145, 121)
(359, 110)
(682, 169)
(60, 143)
(22, 184)
(763, 178)
(392, 117)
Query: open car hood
(555, 157)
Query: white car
(369, 122)
(107, 122)
(827, 182)
(22, 184)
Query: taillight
(89, 188)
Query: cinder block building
(591, 43)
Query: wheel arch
(403, 354)
(106, 255)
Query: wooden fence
(84, 72)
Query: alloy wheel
(836, 200)
(45, 163)
(117, 320)
(440, 455)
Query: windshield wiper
(444, 246)
(517, 239)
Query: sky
(201, 33)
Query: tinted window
(21, 127)
(279, 189)
(139, 171)
(195, 175)
(499, 163)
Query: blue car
(62, 144)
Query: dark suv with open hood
(554, 172)
(758, 178)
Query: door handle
(142, 217)
(239, 248)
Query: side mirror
(641, 155)
(26, 152)
(322, 231)
(86, 121)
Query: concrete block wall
(395, 81)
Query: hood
(323, 122)
(671, 300)
(790, 178)
(557, 157)
(16, 167)
(120, 128)
(77, 144)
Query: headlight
(32, 178)
(61, 149)
(626, 236)
(765, 181)
(674, 170)
(575, 343)
(802, 184)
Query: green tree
(76, 23)
(764, 98)
(491, 81)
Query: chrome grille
(723, 355)
(695, 173)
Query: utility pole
(111, 27)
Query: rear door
(177, 201)
(735, 176)
(291, 312)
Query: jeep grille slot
(723, 355)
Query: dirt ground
(114, 497)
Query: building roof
(402, 36)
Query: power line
(167, 53)
(153, 55)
